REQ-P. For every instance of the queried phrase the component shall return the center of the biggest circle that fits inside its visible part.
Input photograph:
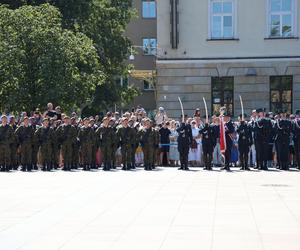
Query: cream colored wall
(193, 32)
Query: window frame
(234, 20)
(142, 9)
(222, 90)
(281, 91)
(143, 48)
(294, 14)
(151, 87)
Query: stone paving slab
(165, 209)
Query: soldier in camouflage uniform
(56, 145)
(67, 135)
(126, 138)
(6, 135)
(76, 145)
(113, 125)
(86, 137)
(14, 157)
(147, 139)
(135, 143)
(25, 135)
(44, 136)
(106, 139)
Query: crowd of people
(54, 140)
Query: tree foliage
(41, 62)
(104, 22)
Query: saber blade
(181, 106)
(242, 106)
(206, 111)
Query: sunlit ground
(163, 209)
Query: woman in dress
(173, 154)
(195, 150)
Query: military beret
(259, 110)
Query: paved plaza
(165, 209)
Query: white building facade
(220, 49)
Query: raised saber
(206, 111)
(242, 106)
(182, 112)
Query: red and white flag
(222, 135)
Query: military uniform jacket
(245, 135)
(24, 135)
(6, 134)
(147, 137)
(106, 136)
(44, 136)
(126, 136)
(185, 136)
(283, 130)
(296, 131)
(67, 134)
(263, 130)
(209, 138)
(86, 135)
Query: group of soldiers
(76, 143)
(29, 145)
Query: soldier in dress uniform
(126, 138)
(6, 135)
(76, 145)
(184, 140)
(156, 143)
(263, 130)
(147, 139)
(44, 136)
(135, 142)
(282, 138)
(106, 139)
(296, 137)
(25, 135)
(229, 130)
(86, 137)
(67, 134)
(209, 140)
(244, 143)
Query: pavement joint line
(215, 211)
(177, 211)
(253, 214)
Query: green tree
(103, 21)
(41, 62)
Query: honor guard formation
(53, 140)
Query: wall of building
(194, 32)
(191, 80)
(138, 29)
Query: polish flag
(222, 135)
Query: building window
(281, 97)
(222, 19)
(281, 18)
(148, 85)
(149, 9)
(222, 94)
(149, 46)
(122, 81)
